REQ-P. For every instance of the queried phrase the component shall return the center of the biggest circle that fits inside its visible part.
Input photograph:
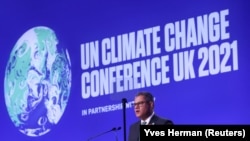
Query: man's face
(142, 107)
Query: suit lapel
(153, 120)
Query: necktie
(144, 123)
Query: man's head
(143, 105)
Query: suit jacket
(134, 130)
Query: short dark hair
(148, 96)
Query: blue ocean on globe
(37, 81)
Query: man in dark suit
(144, 110)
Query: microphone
(119, 128)
(113, 129)
(124, 101)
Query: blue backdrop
(192, 55)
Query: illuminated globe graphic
(37, 82)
